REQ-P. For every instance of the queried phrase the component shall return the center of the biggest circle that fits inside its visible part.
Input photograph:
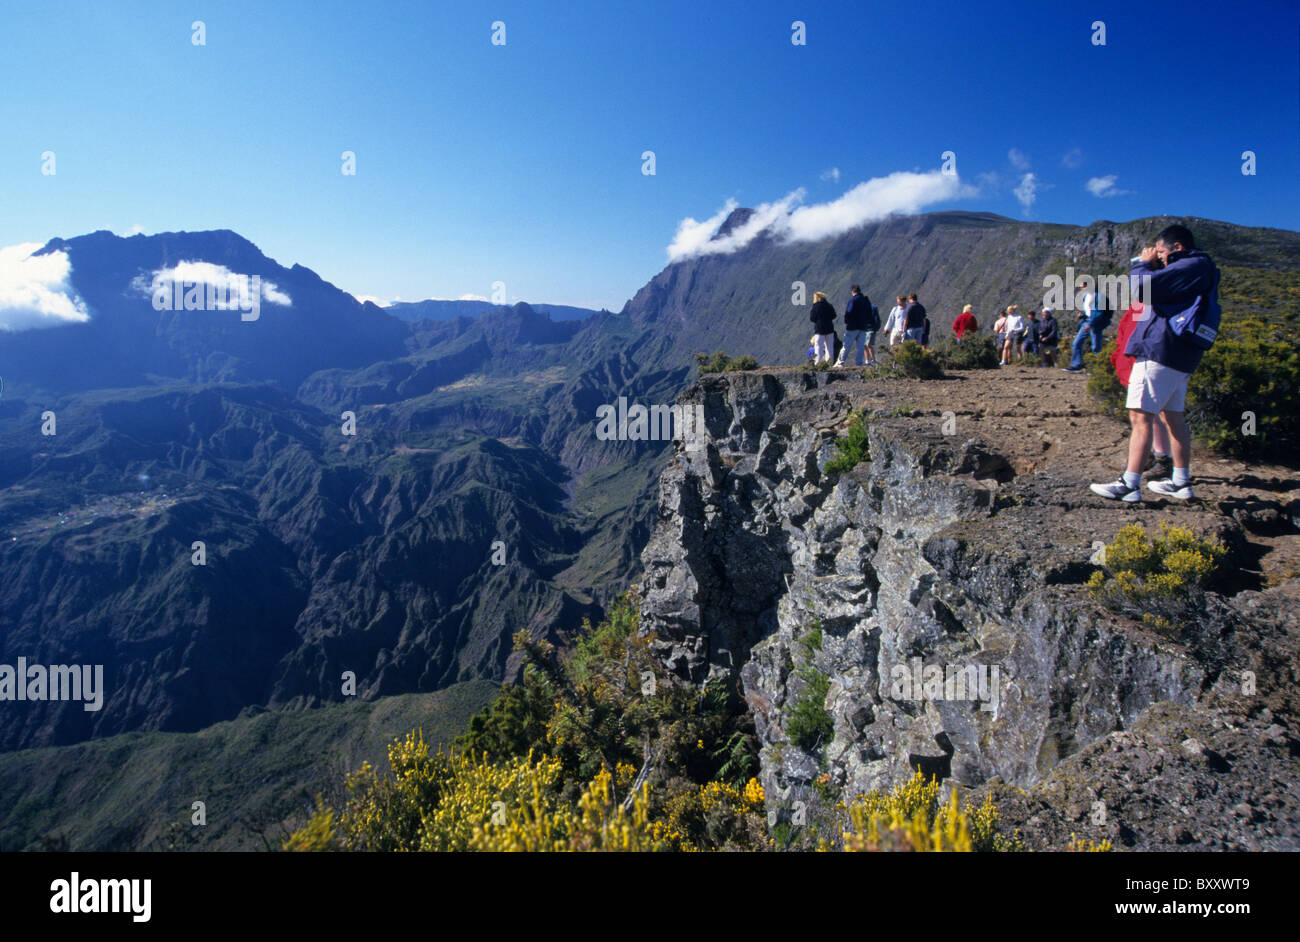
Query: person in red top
(1159, 464)
(964, 324)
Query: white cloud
(136, 229)
(1018, 159)
(832, 174)
(472, 297)
(692, 235)
(1027, 191)
(1104, 186)
(902, 192)
(34, 290)
(207, 273)
(379, 302)
(1072, 159)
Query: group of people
(907, 320)
(1154, 357)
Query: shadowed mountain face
(473, 499)
(371, 496)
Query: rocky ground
(966, 540)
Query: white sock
(1182, 476)
(1132, 478)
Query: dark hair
(1176, 233)
(856, 289)
(912, 296)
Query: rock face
(938, 595)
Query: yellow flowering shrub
(1156, 578)
(713, 816)
(1080, 845)
(911, 818)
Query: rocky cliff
(935, 593)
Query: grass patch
(853, 448)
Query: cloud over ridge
(34, 290)
(872, 200)
(207, 273)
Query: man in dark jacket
(914, 320)
(822, 316)
(1176, 279)
(1049, 337)
(859, 329)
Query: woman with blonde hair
(964, 324)
(822, 316)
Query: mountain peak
(737, 218)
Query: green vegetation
(1160, 579)
(603, 751)
(976, 353)
(256, 775)
(1103, 384)
(721, 363)
(809, 725)
(1243, 398)
(913, 361)
(910, 818)
(853, 448)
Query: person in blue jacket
(860, 326)
(1177, 278)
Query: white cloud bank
(1104, 186)
(34, 290)
(902, 192)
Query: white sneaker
(1118, 491)
(1168, 488)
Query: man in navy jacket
(860, 326)
(1175, 278)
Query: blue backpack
(1198, 326)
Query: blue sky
(522, 163)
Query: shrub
(1103, 385)
(1254, 369)
(809, 725)
(975, 353)
(912, 360)
(910, 818)
(853, 448)
(721, 363)
(1159, 579)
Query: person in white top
(894, 323)
(1015, 333)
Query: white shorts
(1155, 388)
